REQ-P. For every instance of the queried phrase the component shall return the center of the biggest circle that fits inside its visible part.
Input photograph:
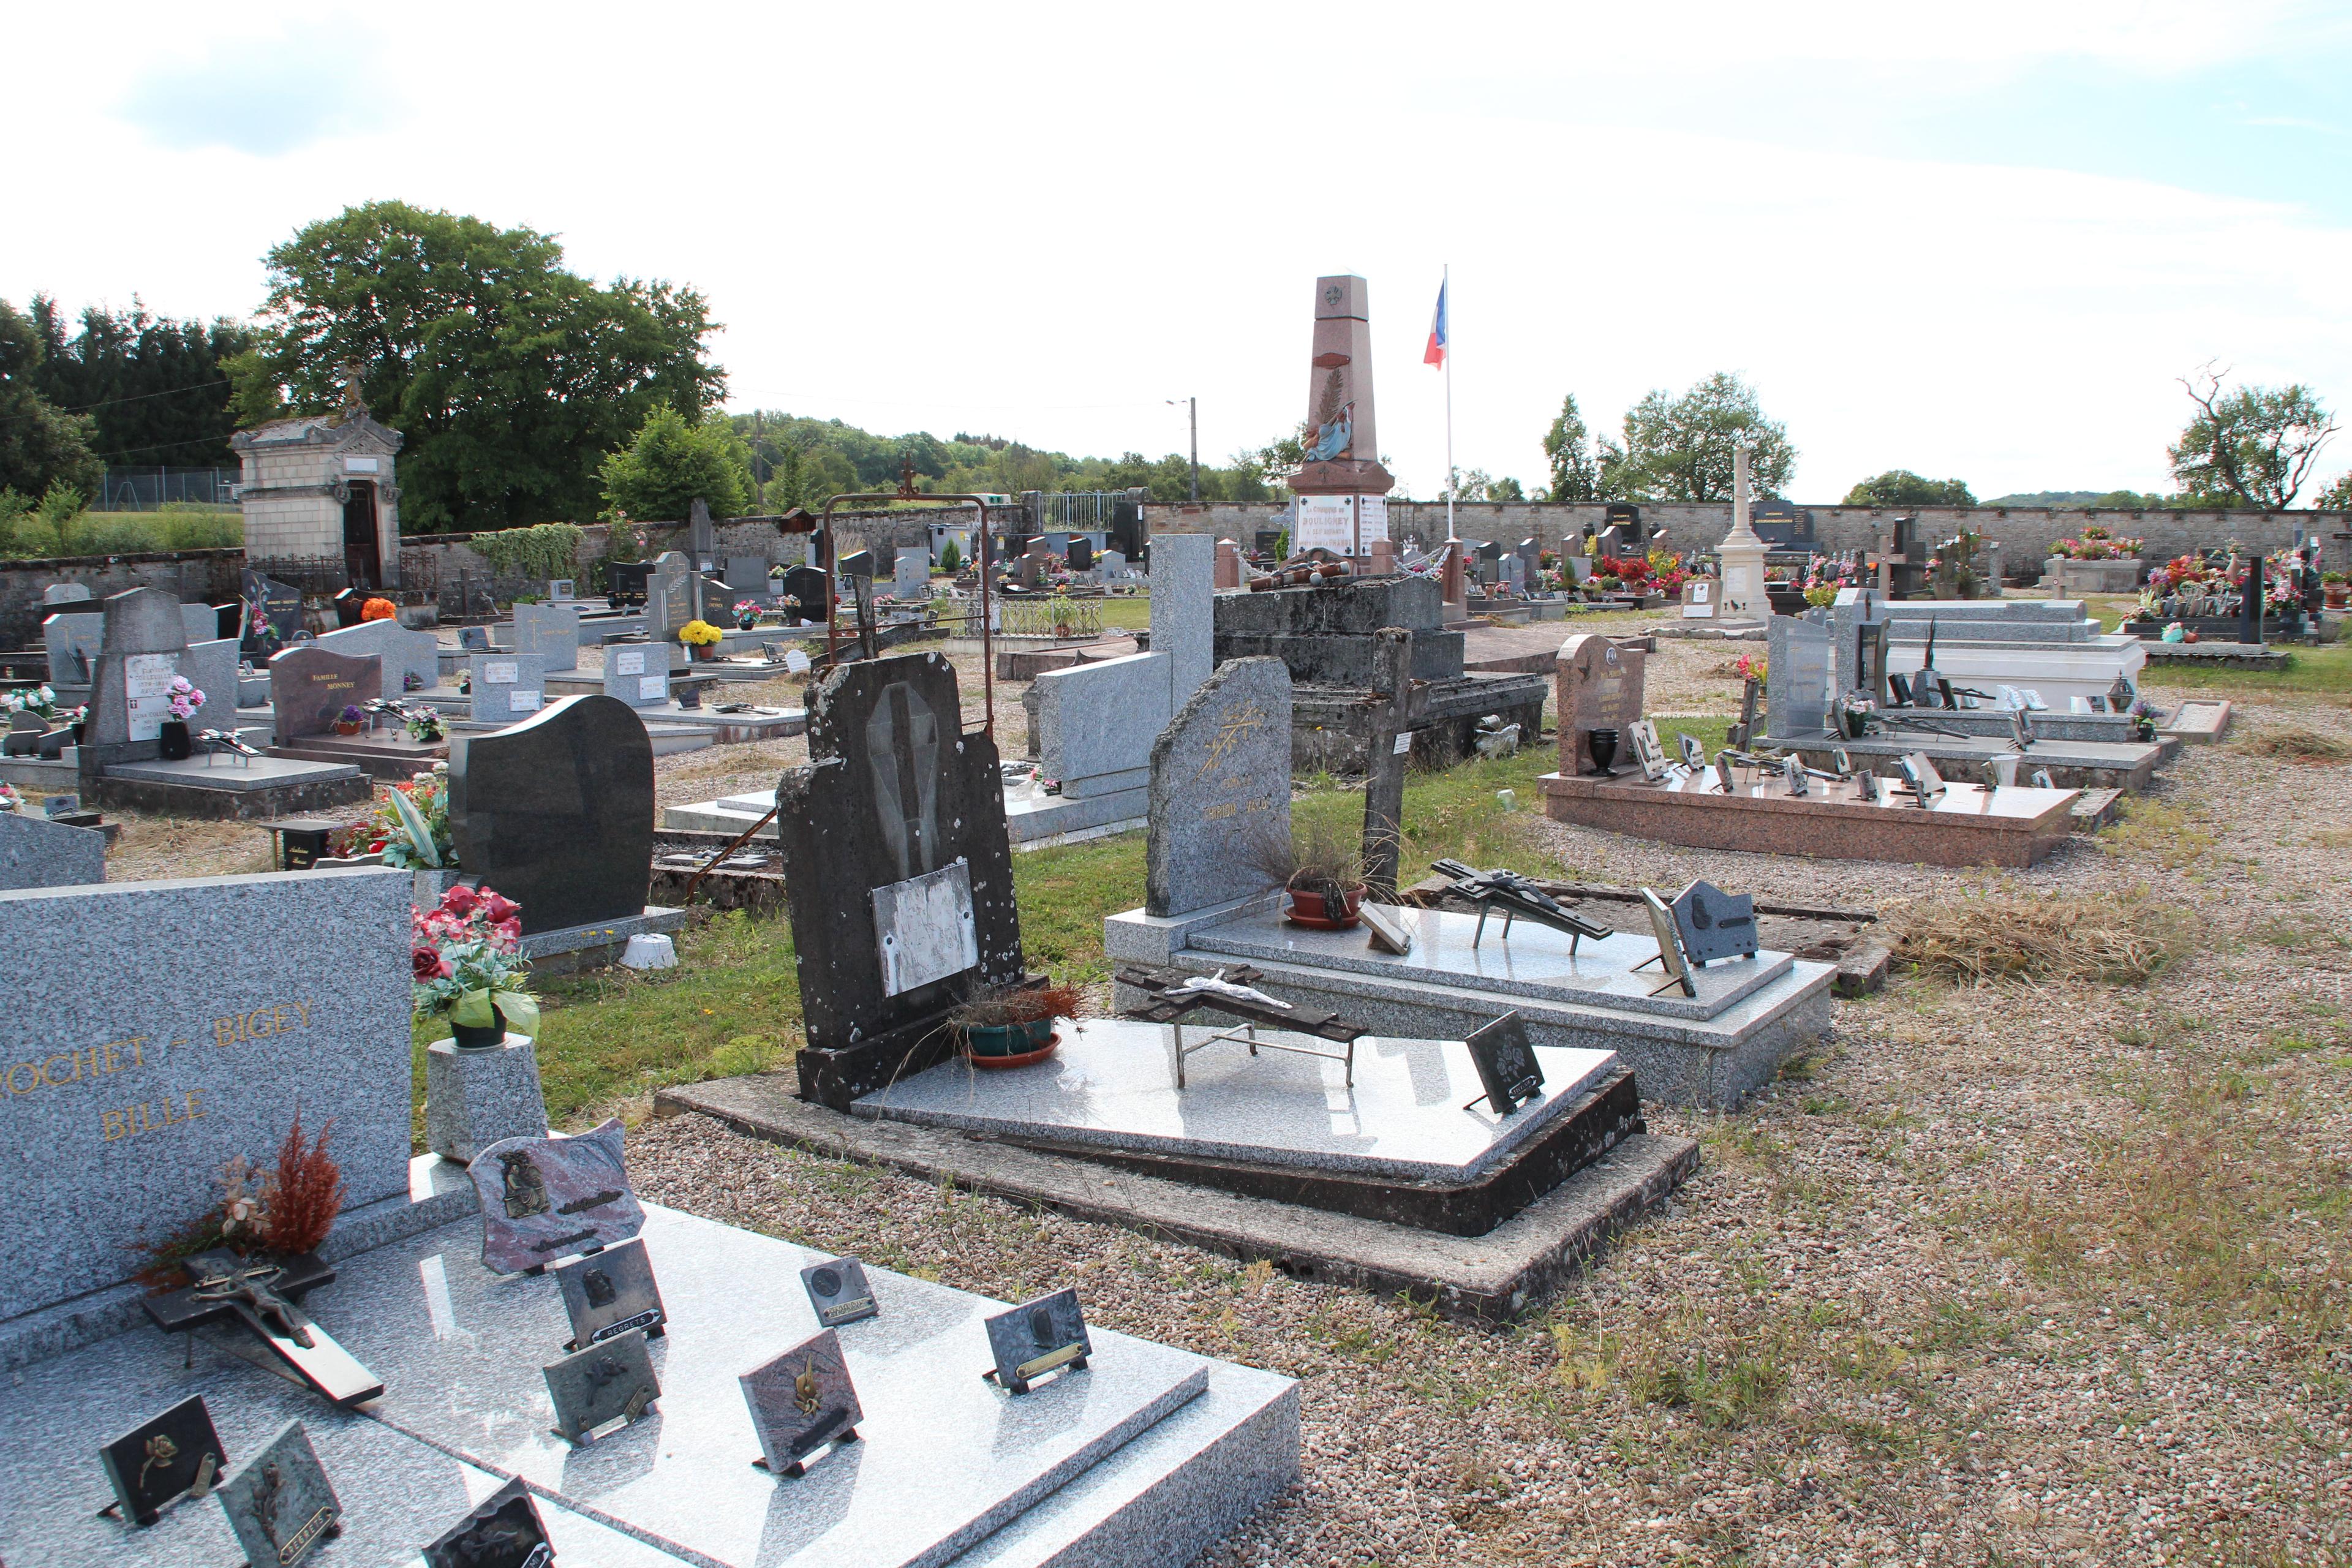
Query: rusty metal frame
(908, 493)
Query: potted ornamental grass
(1320, 869)
(464, 967)
(701, 639)
(186, 700)
(1010, 1027)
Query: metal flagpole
(1453, 479)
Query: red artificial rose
(499, 907)
(423, 963)
(460, 900)
(509, 934)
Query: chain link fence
(144, 490)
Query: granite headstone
(138, 657)
(403, 653)
(1220, 788)
(912, 574)
(1598, 686)
(550, 631)
(37, 854)
(508, 688)
(557, 812)
(74, 638)
(1797, 677)
(309, 687)
(669, 597)
(270, 604)
(637, 674)
(66, 594)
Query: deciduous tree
(1680, 449)
(1902, 488)
(2251, 448)
(1575, 465)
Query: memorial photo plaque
(1714, 924)
(1507, 1064)
(549, 1198)
(1036, 1338)
(278, 1502)
(924, 927)
(801, 1402)
(157, 1461)
(504, 1531)
(603, 1383)
(610, 1294)
(839, 1292)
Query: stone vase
(475, 1097)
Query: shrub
(542, 550)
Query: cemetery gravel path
(2018, 1274)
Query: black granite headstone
(1082, 553)
(272, 605)
(896, 791)
(804, 588)
(557, 812)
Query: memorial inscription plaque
(280, 1504)
(839, 1292)
(1036, 1338)
(177, 1452)
(611, 1294)
(602, 1385)
(548, 1198)
(503, 1531)
(801, 1402)
(1507, 1064)
(1714, 924)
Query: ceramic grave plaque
(1598, 686)
(611, 1294)
(278, 1502)
(550, 1198)
(838, 1291)
(1647, 751)
(503, 1531)
(924, 927)
(1220, 789)
(557, 812)
(1507, 1064)
(1036, 1338)
(309, 687)
(802, 1401)
(637, 674)
(603, 1383)
(1714, 924)
(158, 1460)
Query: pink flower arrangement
(186, 698)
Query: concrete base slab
(2198, 723)
(233, 788)
(1501, 1274)
(2226, 654)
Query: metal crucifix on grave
(259, 1295)
(908, 493)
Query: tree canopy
(156, 390)
(40, 446)
(512, 376)
(2251, 448)
(1901, 488)
(1680, 449)
(1575, 468)
(671, 464)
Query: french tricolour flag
(1436, 352)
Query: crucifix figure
(907, 491)
(260, 1297)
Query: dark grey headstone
(66, 594)
(137, 659)
(1797, 677)
(557, 812)
(309, 687)
(278, 1502)
(402, 652)
(1220, 789)
(37, 854)
(896, 790)
(1714, 924)
(669, 597)
(272, 603)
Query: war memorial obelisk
(1343, 491)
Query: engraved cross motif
(902, 741)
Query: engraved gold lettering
(224, 1032)
(33, 1067)
(111, 1121)
(55, 1082)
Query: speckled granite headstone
(1599, 688)
(557, 812)
(611, 1382)
(37, 854)
(1714, 924)
(1220, 788)
(550, 631)
(280, 1503)
(801, 1401)
(897, 790)
(401, 652)
(546, 1199)
(508, 688)
(310, 687)
(180, 1023)
(669, 597)
(144, 637)
(637, 674)
(1797, 677)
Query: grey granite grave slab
(1219, 788)
(397, 1492)
(234, 775)
(402, 652)
(144, 1091)
(457, 1348)
(508, 688)
(550, 631)
(474, 1099)
(37, 854)
(310, 686)
(1111, 1085)
(557, 812)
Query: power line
(169, 391)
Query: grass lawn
(2314, 670)
(609, 1040)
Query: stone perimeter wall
(2025, 532)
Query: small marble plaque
(501, 672)
(801, 1401)
(611, 1294)
(549, 1198)
(924, 929)
(628, 661)
(1714, 924)
(278, 1501)
(839, 1292)
(176, 1452)
(602, 1385)
(1036, 1338)
(1507, 1063)
(652, 687)
(1388, 932)
(504, 1531)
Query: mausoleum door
(362, 554)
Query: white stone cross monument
(1742, 555)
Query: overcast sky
(1978, 241)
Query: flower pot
(2339, 598)
(1603, 744)
(704, 650)
(486, 1036)
(344, 727)
(1008, 1045)
(173, 737)
(1317, 913)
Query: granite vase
(173, 741)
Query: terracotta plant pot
(344, 728)
(2339, 598)
(1314, 911)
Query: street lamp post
(1194, 404)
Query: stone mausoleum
(321, 485)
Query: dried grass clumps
(2296, 746)
(996, 1009)
(1973, 941)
